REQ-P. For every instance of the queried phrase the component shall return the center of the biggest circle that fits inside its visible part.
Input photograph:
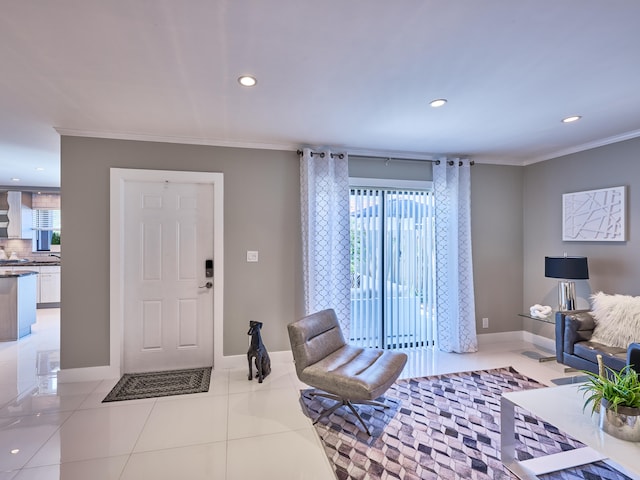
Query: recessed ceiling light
(573, 118)
(247, 81)
(438, 102)
(14, 179)
(15, 451)
(39, 169)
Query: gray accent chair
(345, 373)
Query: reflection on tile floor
(237, 430)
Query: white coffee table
(562, 407)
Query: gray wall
(261, 212)
(614, 267)
(496, 232)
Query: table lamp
(566, 268)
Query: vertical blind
(392, 268)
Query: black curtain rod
(341, 156)
(437, 162)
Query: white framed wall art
(594, 215)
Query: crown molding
(142, 137)
(585, 146)
(215, 142)
(359, 152)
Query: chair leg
(344, 402)
(353, 409)
(329, 411)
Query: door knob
(206, 285)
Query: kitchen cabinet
(49, 284)
(19, 215)
(17, 303)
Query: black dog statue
(259, 351)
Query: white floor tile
(219, 382)
(96, 433)
(34, 403)
(76, 388)
(98, 469)
(294, 455)
(198, 462)
(185, 421)
(24, 436)
(8, 475)
(261, 413)
(7, 394)
(278, 378)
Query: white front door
(167, 304)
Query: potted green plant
(616, 397)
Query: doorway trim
(118, 177)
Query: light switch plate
(252, 256)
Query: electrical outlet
(252, 256)
(485, 322)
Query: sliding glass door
(392, 268)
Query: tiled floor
(238, 430)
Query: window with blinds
(392, 268)
(46, 226)
(46, 220)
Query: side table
(551, 319)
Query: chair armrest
(578, 327)
(561, 327)
(633, 356)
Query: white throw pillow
(617, 319)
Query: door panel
(168, 319)
(151, 248)
(152, 325)
(188, 328)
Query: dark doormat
(133, 386)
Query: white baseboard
(240, 361)
(539, 340)
(515, 336)
(500, 337)
(90, 374)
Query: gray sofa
(574, 347)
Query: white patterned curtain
(324, 204)
(455, 304)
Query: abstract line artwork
(594, 215)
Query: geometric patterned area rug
(441, 427)
(133, 386)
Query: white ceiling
(351, 74)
